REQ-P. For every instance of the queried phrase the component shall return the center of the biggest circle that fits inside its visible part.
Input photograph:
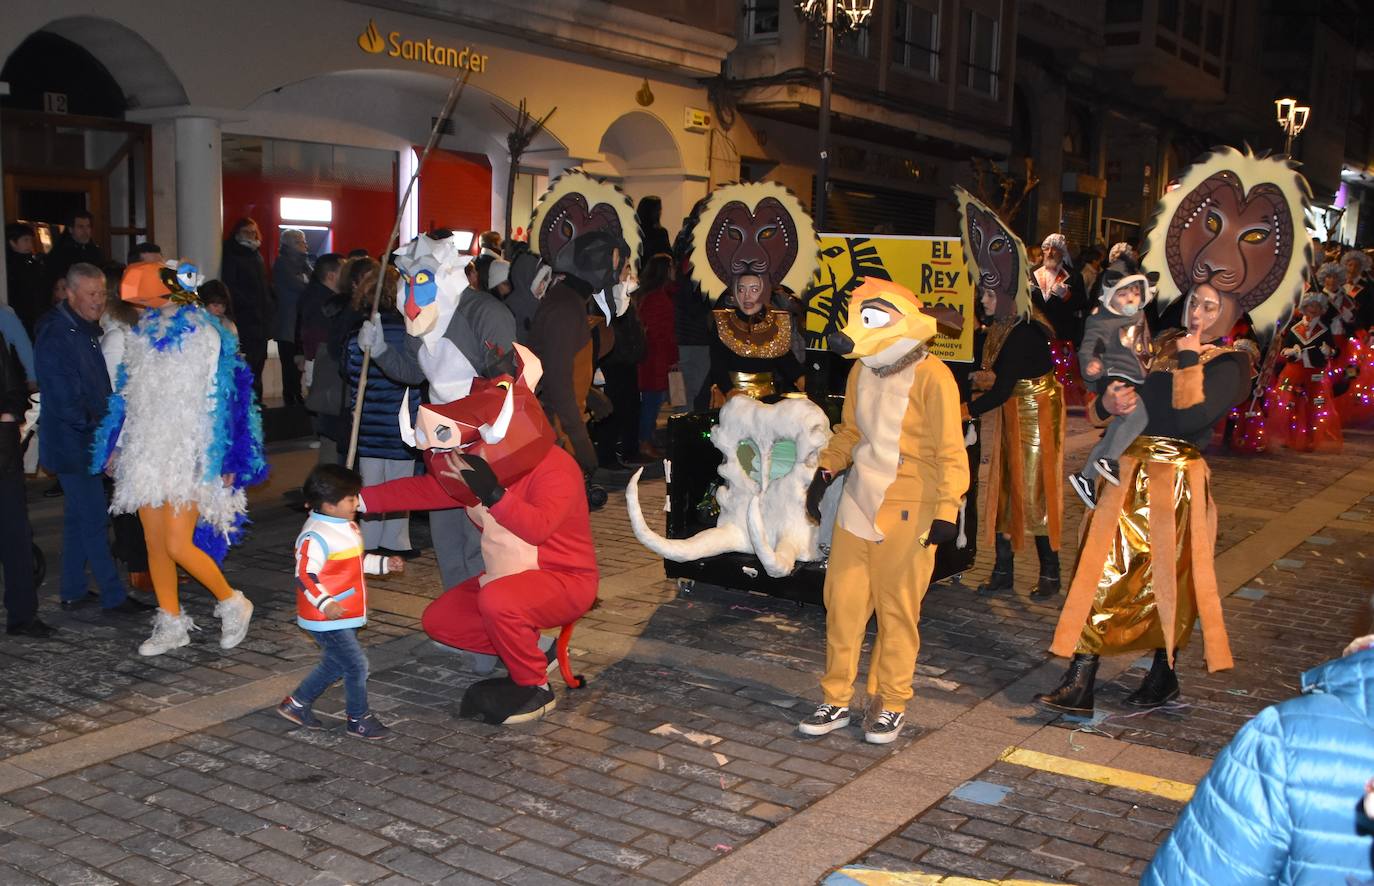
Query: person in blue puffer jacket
(1283, 802)
(382, 455)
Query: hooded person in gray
(1116, 347)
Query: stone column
(200, 192)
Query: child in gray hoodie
(1116, 347)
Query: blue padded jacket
(1281, 803)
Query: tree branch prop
(524, 130)
(454, 94)
(1012, 193)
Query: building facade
(170, 119)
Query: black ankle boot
(1159, 687)
(1075, 692)
(1001, 577)
(1048, 583)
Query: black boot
(1159, 687)
(1048, 583)
(1075, 692)
(1001, 577)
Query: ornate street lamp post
(1292, 118)
(829, 15)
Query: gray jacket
(479, 324)
(1122, 344)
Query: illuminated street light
(1292, 118)
(829, 15)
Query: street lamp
(829, 14)
(1292, 118)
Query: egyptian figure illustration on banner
(931, 267)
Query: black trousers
(618, 433)
(290, 375)
(16, 538)
(129, 547)
(255, 355)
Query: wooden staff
(455, 92)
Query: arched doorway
(643, 155)
(464, 185)
(66, 144)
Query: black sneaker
(885, 727)
(298, 713)
(367, 726)
(1109, 471)
(1086, 489)
(129, 606)
(34, 629)
(825, 720)
(541, 700)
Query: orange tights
(168, 530)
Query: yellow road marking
(868, 877)
(1117, 778)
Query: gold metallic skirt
(1026, 477)
(754, 384)
(1119, 601)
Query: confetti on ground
(700, 739)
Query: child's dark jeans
(343, 657)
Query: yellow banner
(931, 267)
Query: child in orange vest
(331, 599)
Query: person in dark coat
(693, 328)
(245, 273)
(311, 327)
(26, 276)
(656, 241)
(290, 276)
(382, 455)
(76, 244)
(76, 386)
(16, 541)
(529, 277)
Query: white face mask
(1128, 310)
(251, 242)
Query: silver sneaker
(169, 632)
(234, 614)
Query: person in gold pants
(1231, 238)
(1025, 483)
(907, 472)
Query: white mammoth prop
(771, 452)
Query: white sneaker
(885, 727)
(826, 719)
(234, 614)
(169, 632)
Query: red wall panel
(362, 217)
(455, 191)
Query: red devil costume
(494, 454)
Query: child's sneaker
(826, 719)
(367, 726)
(1086, 489)
(298, 713)
(1108, 470)
(885, 728)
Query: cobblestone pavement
(679, 760)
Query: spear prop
(455, 92)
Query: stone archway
(141, 71)
(644, 156)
